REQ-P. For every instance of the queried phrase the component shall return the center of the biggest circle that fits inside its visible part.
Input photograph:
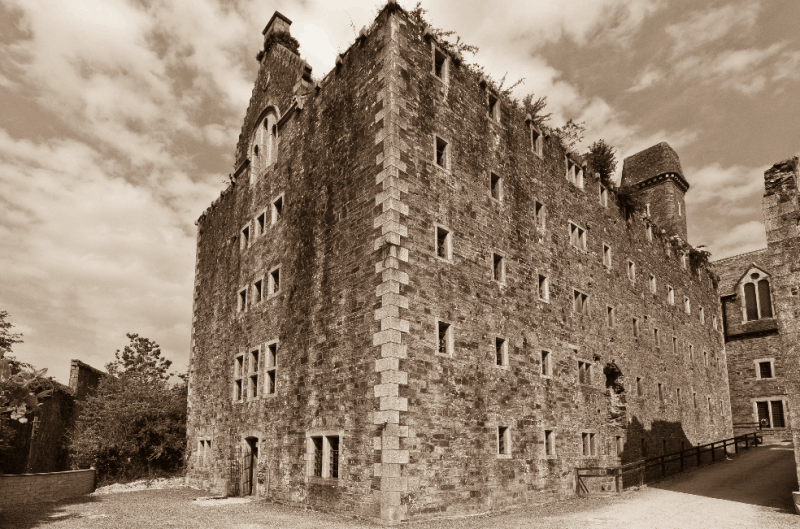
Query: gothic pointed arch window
(264, 144)
(756, 295)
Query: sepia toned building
(412, 302)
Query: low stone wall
(32, 488)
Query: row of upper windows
(257, 227)
(443, 249)
(255, 372)
(254, 294)
(662, 393)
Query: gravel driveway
(753, 490)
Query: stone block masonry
(33, 488)
(396, 373)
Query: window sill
(503, 456)
(544, 300)
(323, 481)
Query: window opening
(670, 295)
(660, 392)
(442, 151)
(245, 238)
(603, 196)
(652, 284)
(277, 209)
(691, 352)
(702, 315)
(254, 370)
(765, 369)
(649, 233)
(496, 186)
(271, 368)
(498, 268)
(674, 345)
(607, 256)
(538, 212)
(444, 338)
(639, 387)
(546, 371)
(610, 317)
(238, 373)
(275, 281)
(493, 107)
(544, 288)
(635, 327)
(500, 352)
(584, 372)
(577, 236)
(439, 64)
(443, 243)
(260, 224)
(536, 140)
(503, 440)
(620, 445)
(549, 443)
(656, 337)
(687, 307)
(242, 300)
(580, 302)
(257, 292)
(631, 271)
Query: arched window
(757, 297)
(263, 145)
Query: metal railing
(639, 468)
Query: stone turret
(656, 179)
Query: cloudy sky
(118, 120)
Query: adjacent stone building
(411, 302)
(760, 296)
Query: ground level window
(589, 444)
(325, 456)
(770, 414)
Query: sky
(119, 119)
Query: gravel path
(753, 490)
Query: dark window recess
(497, 268)
(639, 387)
(777, 414)
(441, 152)
(260, 221)
(492, 106)
(763, 414)
(764, 299)
(584, 373)
(750, 301)
(441, 242)
(501, 439)
(545, 363)
(317, 456)
(278, 205)
(499, 351)
(439, 59)
(496, 186)
(443, 330)
(765, 369)
(334, 469)
(276, 280)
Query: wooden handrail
(642, 465)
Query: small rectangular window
(261, 224)
(631, 271)
(445, 338)
(778, 419)
(705, 358)
(656, 338)
(324, 461)
(546, 369)
(271, 368)
(503, 441)
(580, 302)
(635, 327)
(275, 281)
(538, 213)
(494, 110)
(649, 232)
(714, 322)
(680, 209)
(496, 186)
(439, 64)
(500, 352)
(244, 238)
(765, 369)
(639, 387)
(242, 300)
(443, 243)
(620, 445)
(670, 295)
(674, 345)
(687, 307)
(277, 209)
(660, 392)
(647, 210)
(498, 268)
(603, 196)
(610, 319)
(238, 374)
(702, 315)
(691, 352)
(257, 291)
(694, 400)
(549, 443)
(544, 288)
(442, 155)
(253, 373)
(584, 372)
(607, 256)
(652, 284)
(536, 140)
(678, 396)
(586, 448)
(577, 236)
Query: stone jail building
(760, 296)
(410, 302)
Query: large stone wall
(33, 488)
(362, 290)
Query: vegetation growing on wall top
(279, 37)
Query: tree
(19, 382)
(135, 424)
(570, 134)
(601, 159)
(142, 358)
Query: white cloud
(742, 238)
(704, 27)
(646, 79)
(724, 186)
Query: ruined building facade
(760, 297)
(412, 302)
